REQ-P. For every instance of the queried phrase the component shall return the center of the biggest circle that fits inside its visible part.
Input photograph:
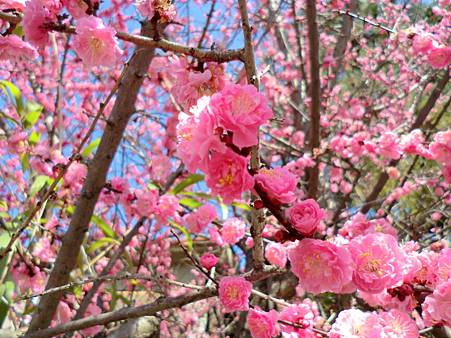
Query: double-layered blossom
(378, 262)
(301, 315)
(95, 43)
(196, 136)
(276, 254)
(198, 220)
(37, 14)
(146, 202)
(278, 183)
(14, 48)
(234, 293)
(241, 109)
(208, 260)
(227, 175)
(305, 216)
(233, 230)
(354, 323)
(398, 324)
(77, 8)
(262, 324)
(440, 148)
(164, 8)
(321, 266)
(436, 307)
(439, 57)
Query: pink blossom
(38, 13)
(165, 9)
(276, 254)
(63, 313)
(44, 250)
(167, 207)
(96, 44)
(14, 48)
(146, 202)
(388, 146)
(446, 172)
(439, 57)
(160, 168)
(241, 109)
(76, 174)
(422, 44)
(262, 324)
(278, 183)
(233, 230)
(443, 265)
(234, 293)
(378, 262)
(436, 307)
(398, 324)
(198, 220)
(321, 266)
(354, 323)
(190, 85)
(440, 148)
(227, 175)
(300, 314)
(92, 310)
(305, 216)
(18, 5)
(208, 260)
(76, 8)
(196, 137)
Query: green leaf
(33, 112)
(4, 308)
(190, 202)
(190, 180)
(90, 147)
(189, 240)
(24, 161)
(34, 137)
(18, 30)
(224, 210)
(242, 206)
(102, 225)
(14, 95)
(39, 183)
(101, 243)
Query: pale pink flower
(92, 310)
(276, 254)
(443, 265)
(63, 313)
(146, 202)
(278, 183)
(44, 250)
(241, 109)
(76, 8)
(227, 175)
(440, 148)
(167, 207)
(439, 57)
(234, 293)
(378, 262)
(14, 48)
(300, 314)
(160, 168)
(208, 260)
(437, 307)
(196, 137)
(76, 174)
(305, 216)
(233, 230)
(321, 266)
(388, 146)
(262, 324)
(398, 324)
(95, 43)
(354, 323)
(446, 172)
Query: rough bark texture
(95, 181)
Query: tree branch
(123, 108)
(315, 95)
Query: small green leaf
(102, 225)
(101, 243)
(189, 240)
(39, 182)
(190, 202)
(190, 180)
(90, 147)
(24, 161)
(33, 112)
(34, 137)
(242, 206)
(224, 210)
(14, 95)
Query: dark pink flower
(305, 216)
(208, 260)
(262, 324)
(278, 183)
(234, 293)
